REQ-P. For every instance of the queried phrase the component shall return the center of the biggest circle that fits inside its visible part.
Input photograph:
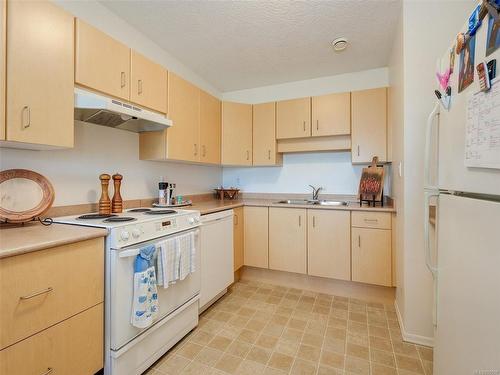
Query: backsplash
(331, 170)
(75, 172)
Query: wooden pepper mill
(104, 202)
(117, 201)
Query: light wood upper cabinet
(329, 243)
(210, 128)
(293, 118)
(331, 114)
(256, 236)
(264, 135)
(102, 63)
(371, 256)
(287, 239)
(3, 36)
(184, 111)
(369, 125)
(238, 237)
(148, 83)
(236, 133)
(40, 74)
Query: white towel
(168, 262)
(145, 303)
(187, 255)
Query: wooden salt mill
(117, 202)
(104, 202)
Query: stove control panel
(138, 232)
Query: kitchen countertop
(16, 240)
(214, 205)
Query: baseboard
(410, 337)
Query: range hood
(101, 110)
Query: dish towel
(187, 257)
(167, 262)
(145, 302)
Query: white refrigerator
(463, 246)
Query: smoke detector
(339, 44)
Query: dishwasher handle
(216, 217)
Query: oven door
(121, 291)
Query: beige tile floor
(273, 330)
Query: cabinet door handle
(122, 81)
(139, 87)
(49, 371)
(235, 219)
(314, 221)
(203, 150)
(195, 149)
(300, 221)
(40, 292)
(248, 155)
(359, 241)
(317, 124)
(269, 154)
(26, 117)
(304, 124)
(358, 150)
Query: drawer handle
(48, 290)
(371, 220)
(49, 371)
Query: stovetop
(134, 215)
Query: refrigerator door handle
(428, 143)
(427, 237)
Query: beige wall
(429, 27)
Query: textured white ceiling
(243, 44)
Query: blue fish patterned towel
(145, 303)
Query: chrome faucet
(315, 192)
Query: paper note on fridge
(482, 129)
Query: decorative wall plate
(24, 195)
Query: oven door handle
(136, 250)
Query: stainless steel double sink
(310, 202)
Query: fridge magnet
(493, 36)
(466, 64)
(484, 78)
(444, 78)
(492, 69)
(474, 21)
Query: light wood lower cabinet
(42, 288)
(40, 74)
(74, 346)
(329, 244)
(256, 236)
(238, 237)
(287, 239)
(3, 37)
(371, 256)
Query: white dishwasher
(216, 243)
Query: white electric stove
(130, 350)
